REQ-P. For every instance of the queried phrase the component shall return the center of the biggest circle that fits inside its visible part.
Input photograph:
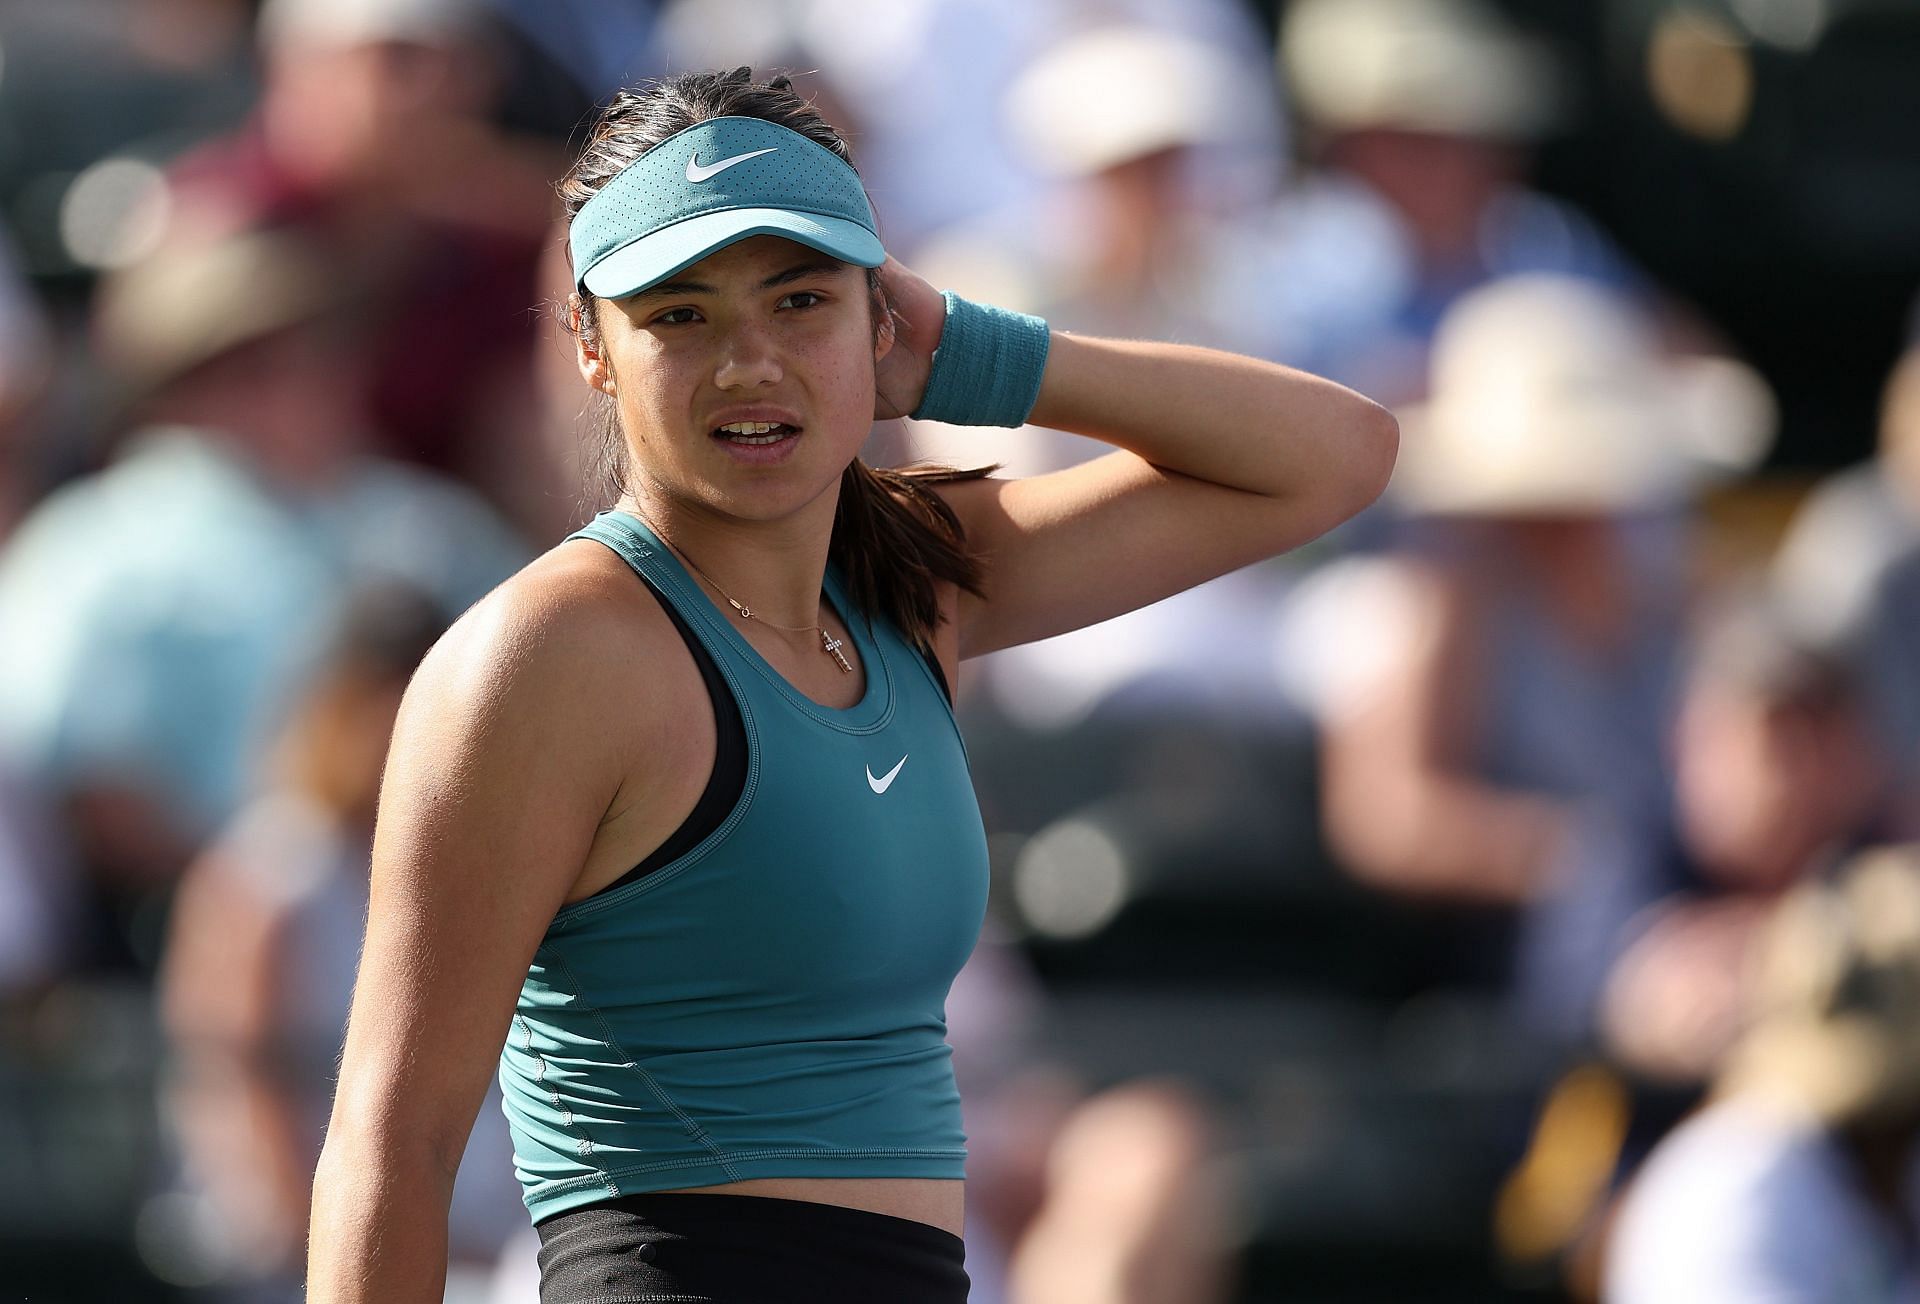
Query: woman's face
(764, 333)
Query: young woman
(678, 813)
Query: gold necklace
(828, 643)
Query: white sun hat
(1451, 66)
(1550, 396)
(1115, 94)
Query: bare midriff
(938, 1202)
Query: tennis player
(678, 814)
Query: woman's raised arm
(501, 768)
(1226, 460)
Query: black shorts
(744, 1249)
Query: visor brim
(654, 257)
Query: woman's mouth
(755, 433)
(758, 443)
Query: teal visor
(717, 182)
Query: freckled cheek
(655, 393)
(840, 374)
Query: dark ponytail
(894, 538)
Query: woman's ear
(593, 367)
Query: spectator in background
(1796, 1182)
(1849, 570)
(1075, 1196)
(1498, 693)
(1424, 113)
(372, 136)
(264, 941)
(162, 611)
(1777, 776)
(1130, 1216)
(1115, 118)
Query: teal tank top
(772, 1003)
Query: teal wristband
(987, 369)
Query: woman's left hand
(919, 314)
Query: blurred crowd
(1512, 896)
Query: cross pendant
(832, 645)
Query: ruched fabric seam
(632, 1064)
(569, 1121)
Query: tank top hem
(554, 1197)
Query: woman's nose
(748, 359)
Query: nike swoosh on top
(886, 781)
(697, 173)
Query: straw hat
(1548, 397)
(188, 303)
(1119, 93)
(1452, 66)
(1836, 1017)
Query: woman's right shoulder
(562, 644)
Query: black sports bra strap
(729, 778)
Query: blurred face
(746, 383)
(352, 114)
(1139, 202)
(1441, 184)
(1558, 537)
(343, 736)
(282, 398)
(1762, 786)
(1579, 556)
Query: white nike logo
(697, 173)
(886, 781)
